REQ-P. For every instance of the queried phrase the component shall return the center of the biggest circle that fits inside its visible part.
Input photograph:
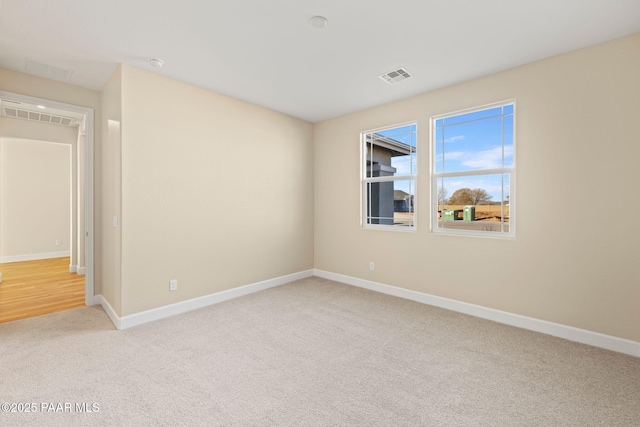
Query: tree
(467, 196)
(442, 195)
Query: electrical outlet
(173, 284)
(372, 265)
(58, 242)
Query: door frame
(88, 179)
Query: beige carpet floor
(310, 353)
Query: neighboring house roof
(396, 148)
(400, 195)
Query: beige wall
(574, 260)
(35, 197)
(216, 192)
(27, 129)
(26, 84)
(110, 259)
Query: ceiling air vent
(47, 71)
(395, 76)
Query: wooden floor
(34, 288)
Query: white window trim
(364, 181)
(435, 176)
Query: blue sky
(474, 141)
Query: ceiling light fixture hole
(318, 22)
(156, 63)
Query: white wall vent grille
(395, 76)
(18, 113)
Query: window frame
(364, 180)
(510, 171)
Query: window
(473, 171)
(389, 177)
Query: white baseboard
(34, 257)
(73, 268)
(81, 270)
(570, 333)
(195, 303)
(115, 319)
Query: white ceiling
(265, 51)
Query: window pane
(375, 156)
(390, 203)
(390, 167)
(506, 199)
(463, 146)
(439, 146)
(474, 203)
(391, 152)
(508, 141)
(473, 145)
(403, 202)
(369, 155)
(404, 164)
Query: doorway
(64, 270)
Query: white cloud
(486, 159)
(402, 164)
(451, 155)
(455, 138)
